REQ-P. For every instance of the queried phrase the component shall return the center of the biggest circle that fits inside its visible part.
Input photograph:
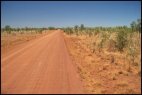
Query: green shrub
(68, 31)
(51, 28)
(121, 40)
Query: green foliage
(82, 27)
(139, 25)
(8, 29)
(68, 31)
(133, 26)
(76, 29)
(51, 28)
(136, 25)
(121, 40)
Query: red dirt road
(40, 66)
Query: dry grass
(103, 71)
(15, 38)
(130, 58)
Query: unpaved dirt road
(40, 66)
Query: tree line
(8, 29)
(79, 30)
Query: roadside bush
(121, 40)
(68, 31)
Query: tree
(133, 26)
(121, 40)
(51, 28)
(18, 29)
(8, 29)
(76, 29)
(26, 29)
(82, 27)
(68, 30)
(139, 25)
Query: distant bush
(8, 29)
(76, 29)
(51, 28)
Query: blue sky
(69, 13)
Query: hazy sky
(69, 13)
